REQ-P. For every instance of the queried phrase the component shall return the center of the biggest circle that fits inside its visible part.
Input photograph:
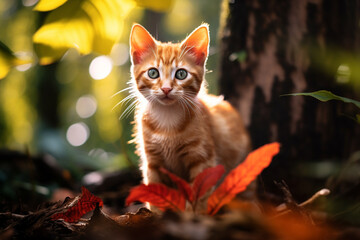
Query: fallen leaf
(142, 216)
(207, 179)
(158, 195)
(240, 177)
(183, 186)
(86, 203)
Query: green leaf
(8, 60)
(86, 25)
(239, 56)
(48, 5)
(325, 96)
(156, 5)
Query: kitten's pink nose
(166, 90)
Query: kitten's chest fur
(183, 141)
(171, 137)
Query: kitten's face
(167, 73)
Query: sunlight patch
(100, 67)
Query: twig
(289, 200)
(322, 192)
(13, 215)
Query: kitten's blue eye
(181, 74)
(153, 73)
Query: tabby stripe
(159, 53)
(152, 151)
(146, 82)
(196, 162)
(137, 77)
(184, 147)
(192, 89)
(198, 79)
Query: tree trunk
(274, 47)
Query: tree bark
(270, 48)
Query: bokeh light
(86, 106)
(343, 73)
(24, 67)
(29, 3)
(77, 134)
(100, 67)
(93, 178)
(99, 153)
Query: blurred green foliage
(86, 25)
(84, 44)
(324, 96)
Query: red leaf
(182, 185)
(158, 195)
(240, 177)
(206, 179)
(86, 203)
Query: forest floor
(107, 218)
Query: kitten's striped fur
(179, 126)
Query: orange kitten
(179, 126)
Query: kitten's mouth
(167, 100)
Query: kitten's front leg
(199, 163)
(152, 160)
(151, 174)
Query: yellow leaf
(156, 5)
(8, 60)
(4, 67)
(48, 5)
(86, 25)
(47, 54)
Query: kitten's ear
(141, 42)
(197, 43)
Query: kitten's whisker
(192, 104)
(128, 110)
(122, 90)
(124, 101)
(184, 106)
(189, 107)
(131, 110)
(151, 99)
(116, 105)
